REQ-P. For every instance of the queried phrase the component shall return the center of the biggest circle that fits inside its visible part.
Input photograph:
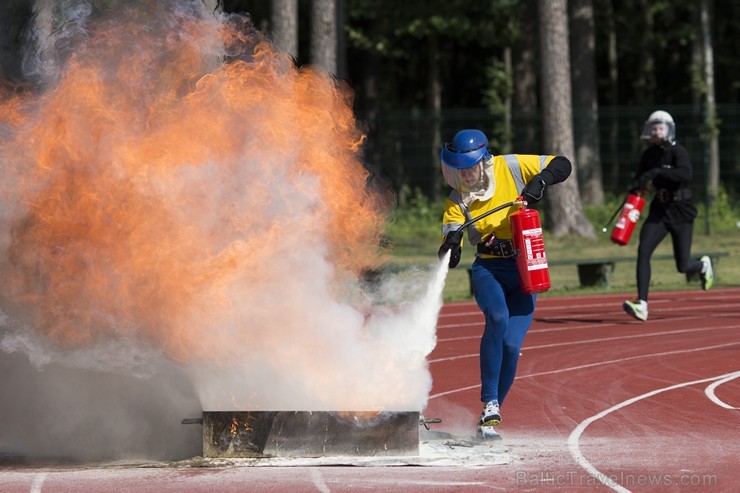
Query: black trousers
(656, 227)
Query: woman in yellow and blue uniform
(480, 182)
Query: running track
(601, 403)
(601, 396)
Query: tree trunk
(39, 60)
(284, 26)
(324, 35)
(711, 114)
(435, 113)
(213, 6)
(645, 79)
(342, 70)
(524, 97)
(613, 94)
(506, 144)
(585, 103)
(697, 68)
(565, 211)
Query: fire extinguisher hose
(519, 201)
(611, 219)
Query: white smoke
(323, 355)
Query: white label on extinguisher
(534, 245)
(627, 211)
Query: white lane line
(592, 365)
(318, 480)
(574, 319)
(567, 305)
(709, 391)
(556, 302)
(538, 309)
(538, 330)
(38, 482)
(589, 341)
(573, 439)
(561, 329)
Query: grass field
(406, 252)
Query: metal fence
(400, 144)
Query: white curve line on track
(709, 391)
(575, 450)
(588, 341)
(591, 365)
(38, 482)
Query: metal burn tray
(308, 433)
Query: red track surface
(582, 357)
(652, 406)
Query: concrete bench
(598, 271)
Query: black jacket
(672, 171)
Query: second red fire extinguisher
(526, 233)
(628, 218)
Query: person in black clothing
(667, 165)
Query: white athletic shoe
(707, 273)
(491, 416)
(488, 433)
(637, 308)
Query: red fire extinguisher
(526, 233)
(625, 225)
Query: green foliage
(724, 213)
(400, 38)
(500, 88)
(414, 239)
(419, 219)
(598, 216)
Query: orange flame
(152, 178)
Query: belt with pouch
(664, 195)
(499, 248)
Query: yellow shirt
(510, 173)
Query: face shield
(471, 180)
(659, 130)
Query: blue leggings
(508, 313)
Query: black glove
(453, 241)
(534, 190)
(641, 182)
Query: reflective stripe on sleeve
(516, 170)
